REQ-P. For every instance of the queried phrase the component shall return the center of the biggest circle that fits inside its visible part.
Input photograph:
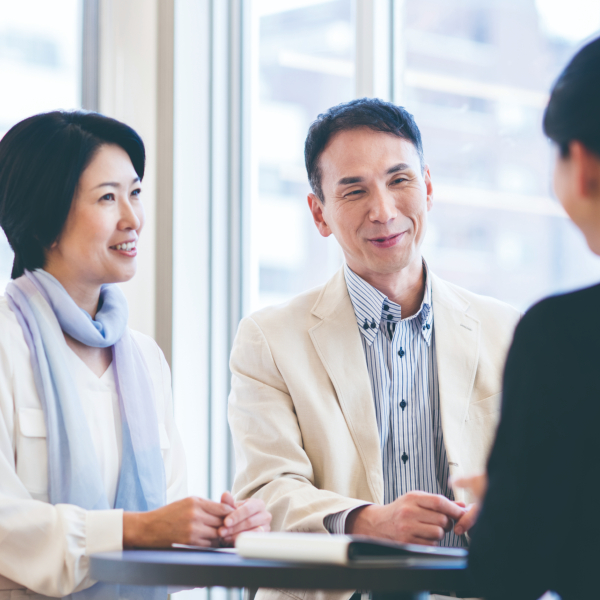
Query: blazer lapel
(457, 354)
(337, 342)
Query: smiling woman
(90, 459)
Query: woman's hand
(477, 487)
(248, 515)
(192, 521)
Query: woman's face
(577, 186)
(98, 243)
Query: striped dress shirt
(402, 366)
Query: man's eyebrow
(349, 180)
(114, 184)
(398, 167)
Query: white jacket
(45, 548)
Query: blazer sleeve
(270, 459)
(44, 548)
(539, 518)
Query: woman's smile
(128, 248)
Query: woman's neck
(85, 295)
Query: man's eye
(354, 193)
(399, 180)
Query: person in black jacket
(539, 525)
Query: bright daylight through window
(40, 64)
(495, 227)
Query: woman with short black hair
(539, 527)
(90, 459)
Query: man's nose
(383, 206)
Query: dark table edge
(251, 574)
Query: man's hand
(415, 518)
(248, 515)
(477, 487)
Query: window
(476, 75)
(306, 65)
(39, 68)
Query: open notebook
(334, 549)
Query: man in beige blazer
(307, 401)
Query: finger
(252, 506)
(255, 521)
(440, 504)
(204, 518)
(230, 540)
(428, 534)
(461, 504)
(477, 485)
(467, 521)
(215, 508)
(227, 498)
(203, 532)
(431, 517)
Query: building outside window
(306, 64)
(476, 75)
(40, 69)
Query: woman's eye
(108, 197)
(136, 192)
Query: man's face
(376, 200)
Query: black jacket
(539, 527)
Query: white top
(45, 548)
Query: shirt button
(404, 458)
(401, 353)
(386, 307)
(390, 317)
(403, 404)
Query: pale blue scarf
(44, 310)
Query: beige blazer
(301, 409)
(302, 414)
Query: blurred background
(223, 93)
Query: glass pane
(306, 65)
(40, 63)
(477, 78)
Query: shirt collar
(371, 306)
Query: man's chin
(388, 266)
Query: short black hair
(41, 161)
(373, 113)
(573, 112)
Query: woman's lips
(387, 241)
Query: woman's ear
(586, 166)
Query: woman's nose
(129, 218)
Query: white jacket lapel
(457, 348)
(337, 342)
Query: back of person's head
(375, 114)
(41, 161)
(573, 113)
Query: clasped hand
(196, 522)
(414, 518)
